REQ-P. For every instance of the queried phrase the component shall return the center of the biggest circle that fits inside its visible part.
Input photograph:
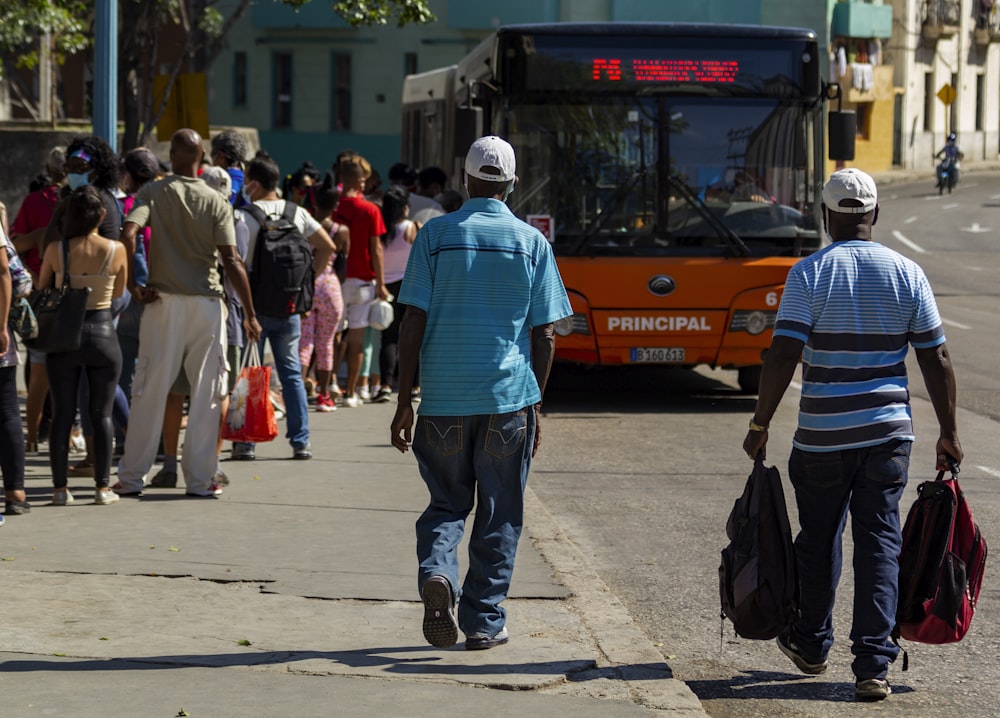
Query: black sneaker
(792, 651)
(302, 453)
(872, 689)
(440, 628)
(164, 480)
(480, 642)
(242, 452)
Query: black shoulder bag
(60, 312)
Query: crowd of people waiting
(166, 248)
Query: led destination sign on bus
(684, 71)
(545, 64)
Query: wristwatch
(754, 426)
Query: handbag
(250, 417)
(59, 312)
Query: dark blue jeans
(464, 460)
(868, 481)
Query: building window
(282, 90)
(410, 63)
(930, 94)
(864, 118)
(240, 79)
(340, 92)
(980, 102)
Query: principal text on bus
(658, 324)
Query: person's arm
(342, 240)
(376, 250)
(323, 249)
(939, 378)
(31, 240)
(780, 362)
(120, 269)
(6, 292)
(236, 273)
(543, 351)
(411, 337)
(143, 295)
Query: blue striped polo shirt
(484, 278)
(857, 305)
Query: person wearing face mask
(90, 161)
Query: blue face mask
(75, 181)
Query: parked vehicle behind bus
(675, 168)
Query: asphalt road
(641, 468)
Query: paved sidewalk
(294, 594)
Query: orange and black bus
(676, 169)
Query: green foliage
(379, 12)
(22, 22)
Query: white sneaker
(103, 497)
(62, 498)
(364, 393)
(353, 402)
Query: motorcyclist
(952, 155)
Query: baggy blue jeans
(484, 460)
(869, 481)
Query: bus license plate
(658, 355)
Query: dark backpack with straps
(940, 565)
(281, 278)
(758, 578)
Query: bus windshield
(667, 175)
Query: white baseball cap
(850, 184)
(490, 152)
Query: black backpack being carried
(281, 278)
(758, 579)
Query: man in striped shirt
(482, 293)
(851, 310)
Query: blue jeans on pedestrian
(869, 481)
(482, 460)
(283, 334)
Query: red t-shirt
(364, 221)
(35, 212)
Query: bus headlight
(752, 322)
(576, 324)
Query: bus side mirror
(843, 128)
(468, 128)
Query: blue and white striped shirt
(857, 305)
(485, 278)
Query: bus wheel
(749, 378)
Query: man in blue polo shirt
(850, 310)
(482, 292)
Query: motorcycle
(946, 176)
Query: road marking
(988, 470)
(995, 196)
(912, 245)
(933, 197)
(952, 323)
(950, 205)
(975, 228)
(910, 220)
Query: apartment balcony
(987, 24)
(861, 20)
(867, 83)
(941, 18)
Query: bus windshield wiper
(616, 199)
(699, 204)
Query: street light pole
(105, 100)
